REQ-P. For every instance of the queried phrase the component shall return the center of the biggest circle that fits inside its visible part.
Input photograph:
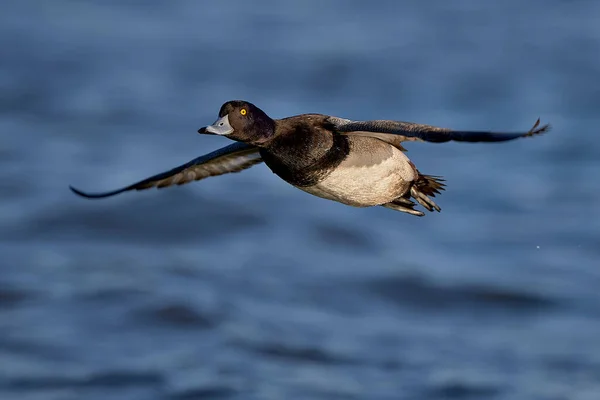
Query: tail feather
(422, 187)
(430, 185)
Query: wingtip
(536, 129)
(86, 195)
(78, 192)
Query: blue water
(245, 287)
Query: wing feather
(233, 158)
(395, 132)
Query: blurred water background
(245, 287)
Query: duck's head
(242, 121)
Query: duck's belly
(367, 181)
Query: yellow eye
(243, 111)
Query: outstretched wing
(395, 132)
(233, 158)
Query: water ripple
(110, 379)
(207, 392)
(414, 291)
(176, 315)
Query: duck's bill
(219, 127)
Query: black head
(242, 121)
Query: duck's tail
(425, 186)
(430, 185)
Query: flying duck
(357, 163)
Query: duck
(353, 162)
